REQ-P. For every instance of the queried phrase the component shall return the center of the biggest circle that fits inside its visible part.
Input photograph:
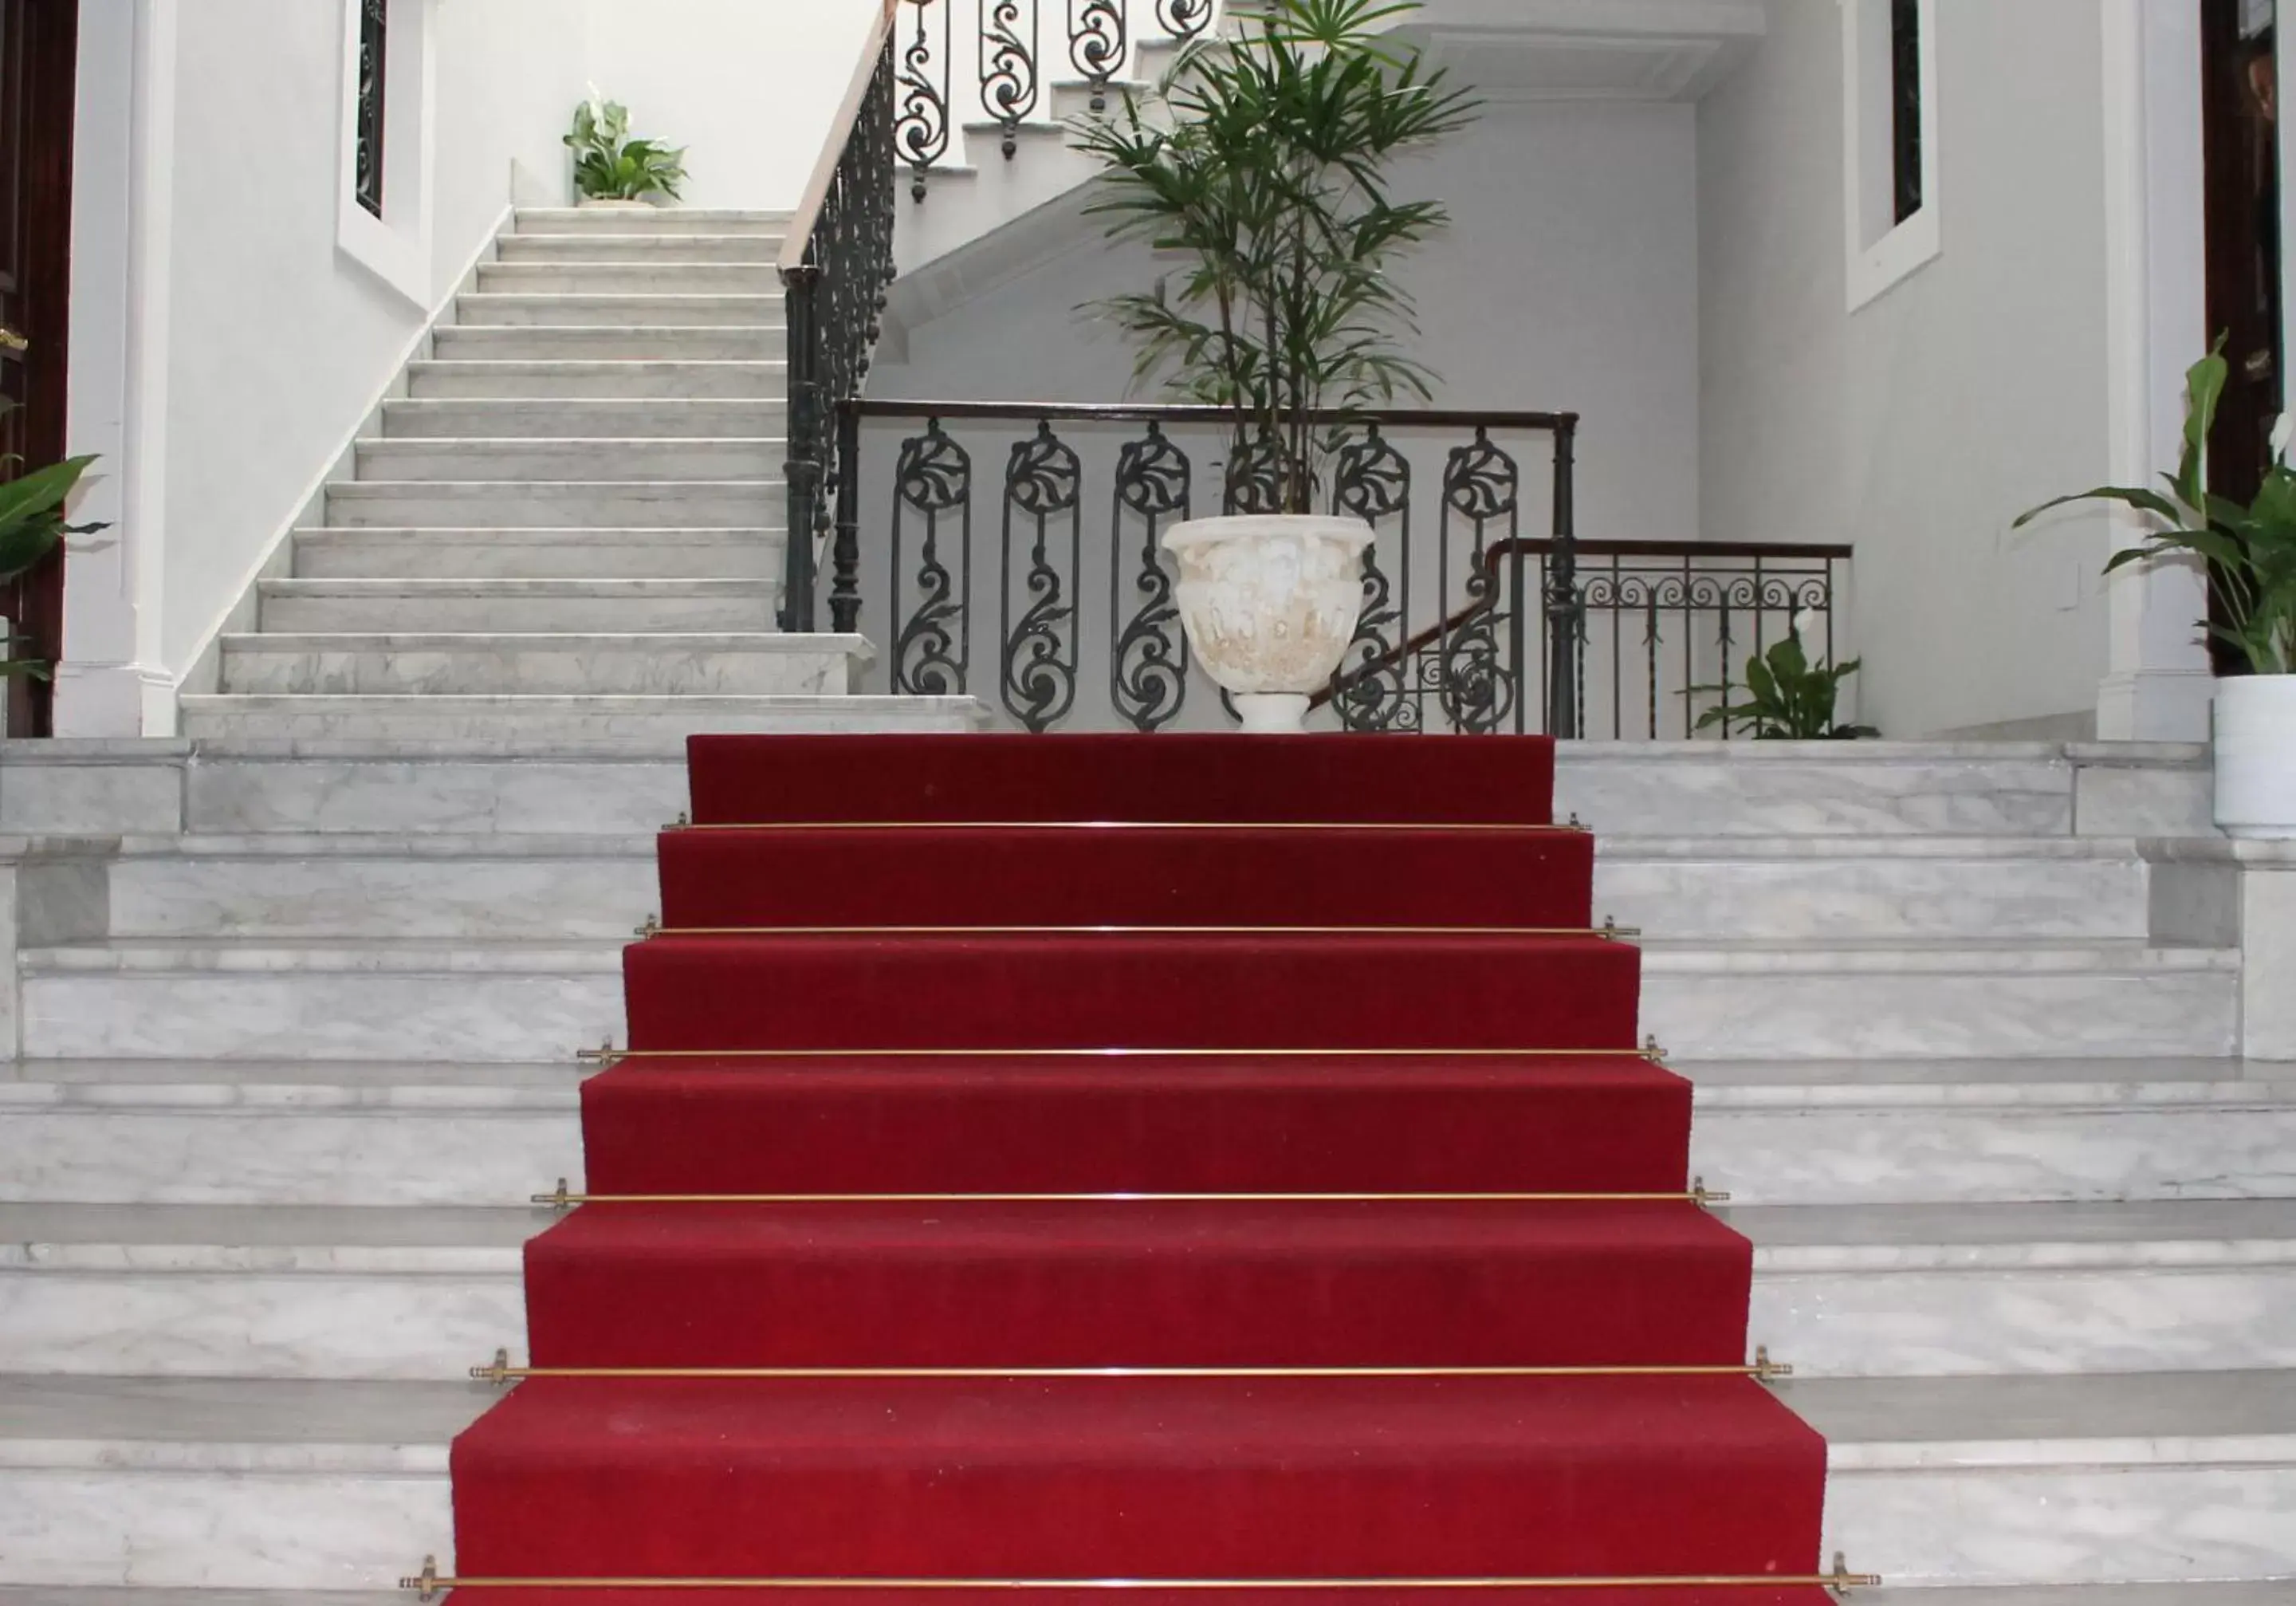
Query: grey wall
(1918, 427)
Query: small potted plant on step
(1263, 158)
(32, 527)
(610, 168)
(2250, 556)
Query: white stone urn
(1270, 602)
(2256, 756)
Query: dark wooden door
(38, 61)
(2239, 112)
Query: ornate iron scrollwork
(1372, 481)
(920, 124)
(1009, 85)
(933, 648)
(1098, 43)
(1183, 19)
(1254, 481)
(1148, 664)
(1043, 480)
(1475, 682)
(374, 70)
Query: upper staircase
(570, 527)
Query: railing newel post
(1562, 588)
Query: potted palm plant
(2251, 555)
(1263, 158)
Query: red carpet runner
(1394, 893)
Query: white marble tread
(606, 719)
(1982, 1079)
(1959, 956)
(324, 956)
(258, 1237)
(2281, 1593)
(316, 1076)
(225, 1424)
(2028, 1236)
(388, 844)
(63, 1595)
(1866, 845)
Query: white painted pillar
(2158, 684)
(114, 682)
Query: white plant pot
(1270, 602)
(2256, 756)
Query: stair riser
(320, 1014)
(673, 276)
(1737, 797)
(524, 671)
(254, 1324)
(509, 343)
(2022, 1525)
(1874, 899)
(355, 1529)
(426, 1325)
(575, 898)
(491, 615)
(652, 223)
(92, 1015)
(656, 728)
(513, 507)
(217, 1527)
(520, 554)
(562, 462)
(583, 421)
(463, 795)
(1785, 1016)
(764, 382)
(631, 312)
(764, 250)
(383, 1158)
(1814, 1153)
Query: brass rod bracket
(604, 1055)
(424, 1583)
(1843, 1580)
(1766, 1370)
(684, 822)
(497, 1374)
(1706, 1197)
(1654, 1050)
(564, 1200)
(651, 928)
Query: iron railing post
(803, 469)
(845, 548)
(1562, 589)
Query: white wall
(1920, 426)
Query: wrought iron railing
(1004, 58)
(1011, 552)
(836, 267)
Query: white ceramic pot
(1270, 602)
(2256, 756)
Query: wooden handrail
(832, 150)
(1403, 652)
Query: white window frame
(1878, 265)
(395, 247)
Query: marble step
(1862, 888)
(601, 720)
(1802, 789)
(658, 223)
(417, 1291)
(668, 275)
(755, 342)
(506, 786)
(290, 1485)
(544, 665)
(564, 461)
(384, 554)
(627, 311)
(291, 1132)
(682, 419)
(760, 381)
(456, 889)
(521, 505)
(1959, 999)
(496, 606)
(2008, 1131)
(766, 249)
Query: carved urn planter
(1269, 602)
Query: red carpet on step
(924, 1004)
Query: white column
(112, 682)
(2158, 684)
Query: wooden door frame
(52, 62)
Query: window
(373, 80)
(384, 201)
(1890, 98)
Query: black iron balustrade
(836, 267)
(373, 104)
(1069, 618)
(1010, 74)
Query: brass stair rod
(1572, 828)
(501, 1371)
(565, 1198)
(606, 1053)
(1610, 931)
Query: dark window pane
(371, 70)
(1906, 105)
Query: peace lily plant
(1263, 160)
(2250, 554)
(610, 168)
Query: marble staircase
(2025, 1220)
(570, 527)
